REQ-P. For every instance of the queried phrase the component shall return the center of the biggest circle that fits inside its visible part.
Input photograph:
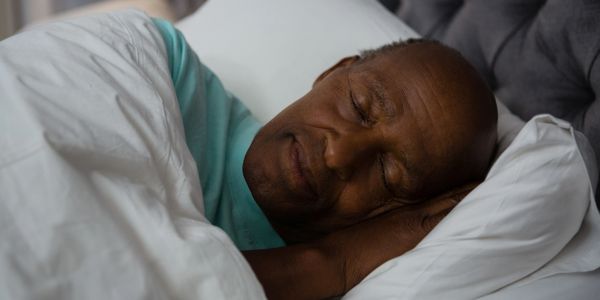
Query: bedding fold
(100, 195)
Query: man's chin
(259, 183)
(268, 184)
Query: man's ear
(346, 61)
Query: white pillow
(268, 52)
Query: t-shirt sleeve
(187, 75)
(218, 131)
(183, 63)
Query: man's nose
(346, 150)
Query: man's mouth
(299, 170)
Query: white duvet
(99, 196)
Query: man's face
(367, 138)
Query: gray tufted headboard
(538, 56)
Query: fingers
(428, 222)
(439, 207)
(441, 204)
(448, 200)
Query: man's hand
(333, 265)
(365, 246)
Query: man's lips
(299, 167)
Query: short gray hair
(368, 54)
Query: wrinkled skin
(372, 136)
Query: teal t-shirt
(218, 132)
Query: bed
(543, 247)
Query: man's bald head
(460, 109)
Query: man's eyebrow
(382, 98)
(411, 169)
(408, 170)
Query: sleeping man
(354, 173)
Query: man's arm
(303, 271)
(334, 264)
